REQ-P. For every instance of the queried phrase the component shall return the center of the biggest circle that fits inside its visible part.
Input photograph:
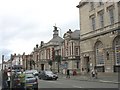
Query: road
(67, 83)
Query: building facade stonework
(44, 54)
(71, 50)
(58, 54)
(99, 36)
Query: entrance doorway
(87, 64)
(42, 67)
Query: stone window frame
(92, 5)
(100, 3)
(117, 50)
(111, 14)
(93, 22)
(101, 18)
(99, 53)
(76, 50)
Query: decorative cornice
(99, 34)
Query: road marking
(105, 81)
(54, 82)
(77, 87)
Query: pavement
(101, 77)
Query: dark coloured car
(47, 75)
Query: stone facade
(71, 50)
(99, 36)
(44, 54)
(63, 53)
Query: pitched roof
(56, 39)
(75, 34)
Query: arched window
(117, 50)
(99, 53)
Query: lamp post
(19, 58)
(2, 69)
(60, 54)
(11, 72)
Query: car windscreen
(48, 72)
(29, 76)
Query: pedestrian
(93, 73)
(9, 77)
(13, 84)
(68, 73)
(22, 79)
(96, 74)
(74, 72)
(5, 78)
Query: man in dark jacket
(68, 73)
(5, 78)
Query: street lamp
(60, 44)
(19, 59)
(2, 69)
(11, 58)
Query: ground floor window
(117, 50)
(100, 68)
(99, 53)
(117, 54)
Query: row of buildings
(95, 45)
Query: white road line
(54, 82)
(77, 87)
(104, 81)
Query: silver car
(31, 81)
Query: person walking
(96, 74)
(68, 73)
(5, 78)
(9, 78)
(93, 73)
(22, 79)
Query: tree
(32, 62)
(50, 62)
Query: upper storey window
(101, 19)
(100, 2)
(92, 5)
(111, 14)
(92, 22)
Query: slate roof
(75, 34)
(56, 39)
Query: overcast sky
(25, 23)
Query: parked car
(47, 75)
(35, 72)
(31, 81)
(15, 80)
